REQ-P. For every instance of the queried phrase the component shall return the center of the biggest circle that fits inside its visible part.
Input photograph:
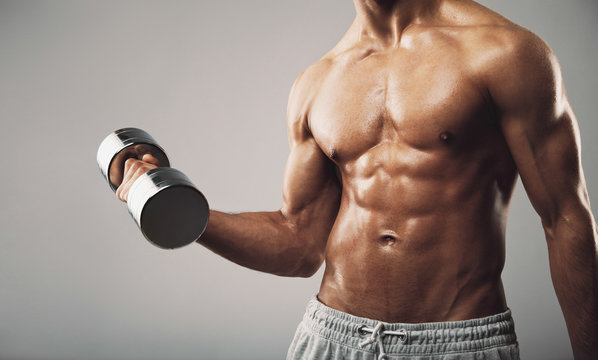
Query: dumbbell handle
(126, 143)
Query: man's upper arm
(311, 191)
(540, 128)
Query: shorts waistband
(409, 338)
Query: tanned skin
(406, 140)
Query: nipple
(333, 154)
(446, 137)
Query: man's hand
(134, 168)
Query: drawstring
(376, 335)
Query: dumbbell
(168, 209)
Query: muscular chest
(406, 98)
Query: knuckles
(134, 168)
(135, 165)
(132, 163)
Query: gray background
(210, 81)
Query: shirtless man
(405, 144)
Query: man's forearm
(263, 241)
(574, 266)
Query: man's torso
(425, 171)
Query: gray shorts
(326, 333)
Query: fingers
(133, 170)
(123, 189)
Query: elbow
(310, 265)
(306, 256)
(306, 262)
(571, 226)
(312, 256)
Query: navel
(388, 240)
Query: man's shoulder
(510, 53)
(492, 42)
(487, 35)
(302, 96)
(307, 84)
(513, 64)
(313, 75)
(506, 41)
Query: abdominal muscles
(419, 237)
